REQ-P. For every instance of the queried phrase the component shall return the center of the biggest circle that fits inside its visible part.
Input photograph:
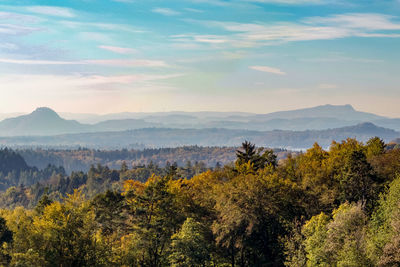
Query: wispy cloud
(100, 26)
(313, 28)
(340, 58)
(95, 36)
(119, 50)
(268, 70)
(38, 62)
(92, 80)
(14, 29)
(212, 39)
(290, 2)
(104, 62)
(365, 21)
(52, 11)
(166, 11)
(65, 83)
(212, 2)
(8, 46)
(128, 63)
(19, 17)
(195, 10)
(188, 39)
(124, 1)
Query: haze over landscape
(199, 133)
(297, 129)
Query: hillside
(11, 161)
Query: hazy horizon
(60, 112)
(256, 56)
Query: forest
(335, 207)
(82, 159)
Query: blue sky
(103, 56)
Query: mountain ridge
(44, 121)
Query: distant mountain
(298, 124)
(42, 121)
(342, 112)
(163, 137)
(155, 116)
(315, 118)
(45, 121)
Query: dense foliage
(339, 207)
(82, 159)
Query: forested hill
(14, 171)
(82, 159)
(11, 161)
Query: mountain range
(286, 129)
(44, 121)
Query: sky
(104, 56)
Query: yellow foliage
(133, 185)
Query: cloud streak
(268, 70)
(166, 11)
(77, 84)
(103, 62)
(118, 50)
(13, 29)
(19, 17)
(314, 28)
(290, 2)
(52, 11)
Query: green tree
(252, 212)
(357, 181)
(44, 201)
(66, 234)
(346, 237)
(154, 218)
(249, 155)
(340, 241)
(383, 227)
(315, 232)
(190, 246)
(375, 147)
(110, 212)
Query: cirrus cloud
(52, 11)
(268, 70)
(119, 50)
(166, 11)
(104, 62)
